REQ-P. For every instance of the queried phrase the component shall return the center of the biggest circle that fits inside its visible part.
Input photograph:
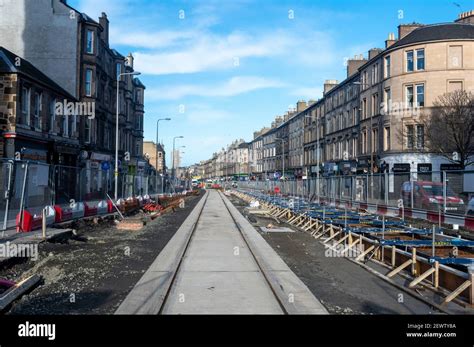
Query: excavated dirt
(92, 272)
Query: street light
(283, 141)
(117, 127)
(365, 85)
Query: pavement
(217, 263)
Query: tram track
(236, 225)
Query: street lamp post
(116, 173)
(283, 141)
(370, 146)
(363, 85)
(157, 140)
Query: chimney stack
(104, 23)
(354, 64)
(301, 106)
(373, 52)
(405, 29)
(390, 41)
(328, 85)
(466, 17)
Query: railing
(437, 192)
(32, 186)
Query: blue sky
(222, 69)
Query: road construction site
(422, 262)
(91, 264)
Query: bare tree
(449, 127)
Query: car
(194, 183)
(429, 195)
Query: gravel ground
(342, 286)
(93, 272)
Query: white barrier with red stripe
(27, 221)
(62, 213)
(73, 211)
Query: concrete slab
(292, 292)
(219, 274)
(277, 230)
(149, 293)
(226, 292)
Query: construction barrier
(400, 248)
(27, 221)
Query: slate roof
(437, 32)
(25, 68)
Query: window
(52, 115)
(420, 136)
(375, 140)
(375, 102)
(386, 139)
(375, 73)
(66, 125)
(409, 96)
(410, 137)
(387, 67)
(364, 108)
(25, 105)
(88, 82)
(420, 59)
(87, 130)
(387, 99)
(118, 69)
(37, 110)
(420, 95)
(90, 42)
(364, 141)
(410, 65)
(73, 125)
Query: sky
(222, 69)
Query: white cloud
(234, 86)
(152, 40)
(210, 52)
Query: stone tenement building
(156, 155)
(73, 50)
(355, 126)
(29, 121)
